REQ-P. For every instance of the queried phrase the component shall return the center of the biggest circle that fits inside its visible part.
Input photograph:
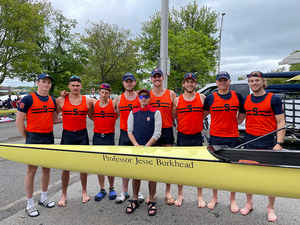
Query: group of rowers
(146, 119)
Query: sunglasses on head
(105, 86)
(143, 96)
(74, 77)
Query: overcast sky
(256, 34)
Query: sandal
(31, 210)
(112, 195)
(133, 208)
(47, 203)
(147, 200)
(170, 201)
(151, 205)
(100, 196)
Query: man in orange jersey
(104, 116)
(227, 111)
(264, 114)
(189, 109)
(40, 109)
(74, 108)
(162, 99)
(126, 102)
(144, 129)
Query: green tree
(112, 52)
(61, 52)
(295, 67)
(277, 80)
(19, 22)
(192, 43)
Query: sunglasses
(74, 77)
(143, 96)
(105, 86)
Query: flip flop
(46, 203)
(31, 210)
(136, 205)
(100, 196)
(112, 195)
(169, 199)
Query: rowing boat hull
(191, 166)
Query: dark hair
(74, 78)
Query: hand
(64, 93)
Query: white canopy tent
(291, 59)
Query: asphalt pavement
(13, 199)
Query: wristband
(279, 143)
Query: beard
(129, 88)
(189, 91)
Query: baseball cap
(105, 86)
(256, 74)
(43, 75)
(190, 75)
(155, 71)
(127, 76)
(146, 90)
(223, 74)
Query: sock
(111, 189)
(123, 193)
(102, 191)
(43, 196)
(30, 203)
(139, 193)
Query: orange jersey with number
(74, 116)
(125, 107)
(224, 116)
(40, 115)
(190, 115)
(164, 105)
(260, 118)
(104, 118)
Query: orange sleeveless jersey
(223, 116)
(125, 107)
(164, 105)
(40, 115)
(190, 115)
(104, 118)
(260, 118)
(74, 116)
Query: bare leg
(180, 197)
(152, 192)
(65, 176)
(45, 178)
(125, 182)
(271, 214)
(214, 200)
(111, 181)
(83, 178)
(169, 197)
(249, 205)
(135, 186)
(29, 180)
(234, 207)
(201, 203)
(101, 179)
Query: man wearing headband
(40, 109)
(126, 102)
(162, 99)
(188, 107)
(264, 114)
(104, 116)
(74, 108)
(227, 111)
(144, 129)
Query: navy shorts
(75, 137)
(39, 138)
(189, 140)
(124, 139)
(167, 137)
(104, 139)
(267, 142)
(229, 141)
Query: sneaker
(122, 198)
(141, 198)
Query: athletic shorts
(267, 142)
(75, 137)
(189, 140)
(39, 138)
(166, 137)
(104, 139)
(229, 141)
(124, 139)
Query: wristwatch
(279, 143)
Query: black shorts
(39, 138)
(189, 140)
(104, 139)
(75, 137)
(167, 137)
(267, 142)
(229, 141)
(124, 139)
